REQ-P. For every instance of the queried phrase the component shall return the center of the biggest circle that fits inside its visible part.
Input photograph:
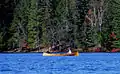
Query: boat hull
(66, 54)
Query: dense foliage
(43, 22)
(113, 22)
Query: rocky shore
(19, 50)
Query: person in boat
(69, 50)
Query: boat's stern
(76, 53)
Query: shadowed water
(35, 63)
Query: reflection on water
(35, 63)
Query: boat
(64, 54)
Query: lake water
(35, 63)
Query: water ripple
(86, 63)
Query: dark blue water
(35, 63)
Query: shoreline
(51, 52)
(80, 50)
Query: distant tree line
(43, 22)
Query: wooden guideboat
(64, 54)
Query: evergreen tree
(32, 24)
(6, 16)
(18, 27)
(45, 18)
(113, 17)
(82, 8)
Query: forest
(90, 24)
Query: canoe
(65, 54)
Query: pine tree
(32, 24)
(82, 8)
(7, 8)
(18, 27)
(114, 17)
(45, 18)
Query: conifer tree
(114, 21)
(82, 8)
(32, 23)
(18, 27)
(45, 18)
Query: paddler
(69, 50)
